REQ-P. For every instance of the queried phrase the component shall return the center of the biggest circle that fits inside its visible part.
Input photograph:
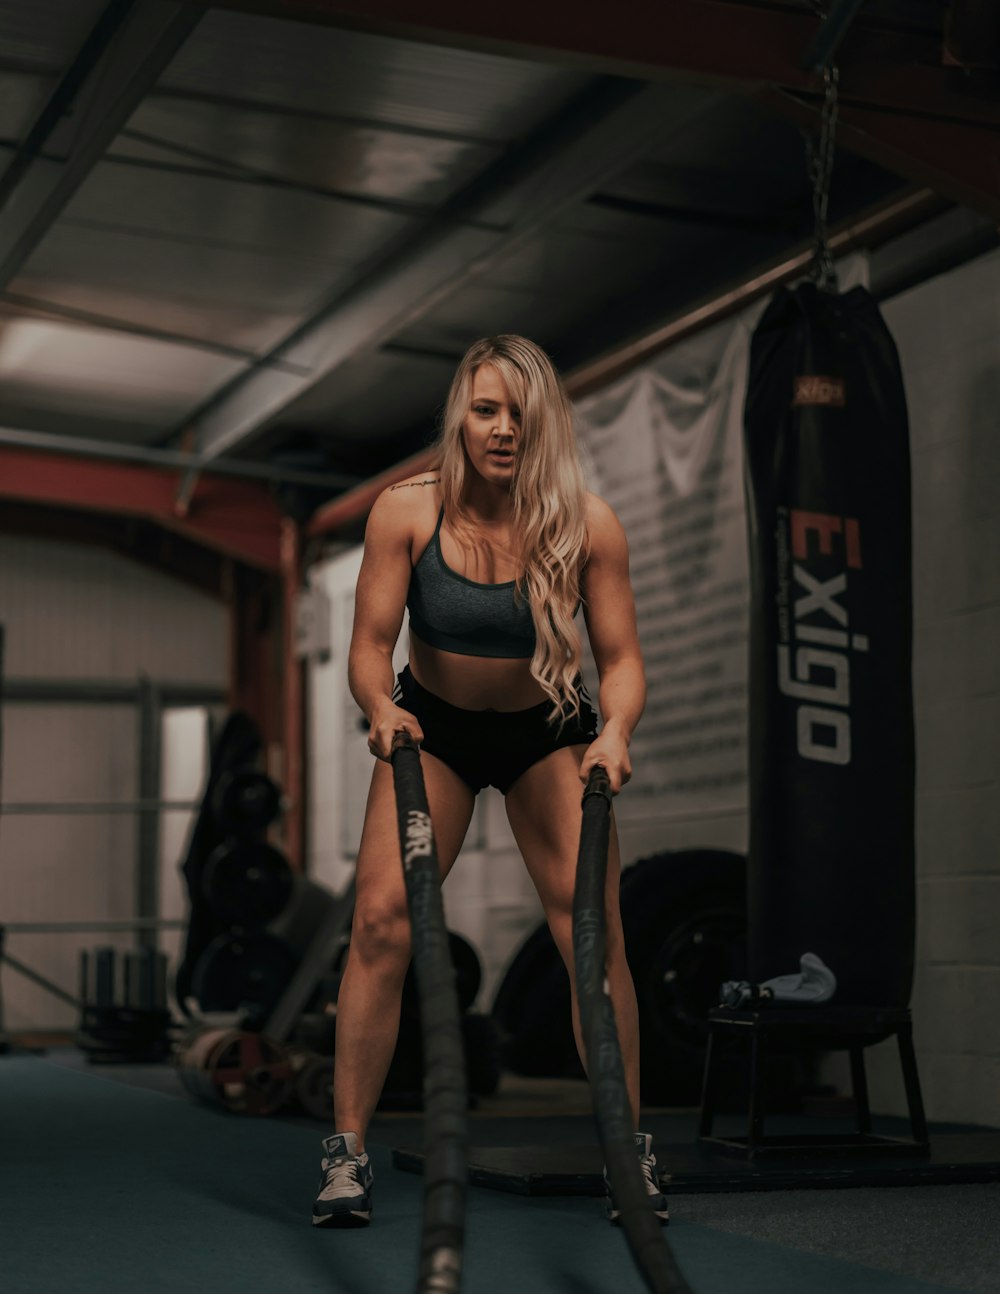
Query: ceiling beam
(239, 519)
(961, 162)
(118, 64)
(823, 51)
(972, 34)
(609, 127)
(727, 42)
(121, 451)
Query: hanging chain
(819, 160)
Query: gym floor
(114, 1179)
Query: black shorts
(490, 747)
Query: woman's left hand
(611, 750)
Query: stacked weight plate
(245, 883)
(245, 1072)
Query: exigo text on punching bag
(814, 627)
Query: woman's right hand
(388, 719)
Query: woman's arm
(609, 611)
(379, 600)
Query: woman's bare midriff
(474, 682)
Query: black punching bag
(831, 747)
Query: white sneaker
(345, 1186)
(644, 1145)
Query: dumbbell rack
(123, 1017)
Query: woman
(492, 552)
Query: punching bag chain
(820, 162)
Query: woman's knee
(381, 934)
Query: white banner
(664, 446)
(667, 456)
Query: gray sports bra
(458, 615)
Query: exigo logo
(812, 612)
(811, 388)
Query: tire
(532, 1008)
(684, 917)
(468, 977)
(482, 1041)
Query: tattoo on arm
(400, 485)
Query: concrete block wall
(948, 334)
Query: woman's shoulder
(409, 498)
(605, 533)
(427, 480)
(406, 510)
(600, 517)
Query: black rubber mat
(575, 1168)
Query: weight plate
(683, 975)
(314, 1089)
(246, 1072)
(468, 977)
(244, 802)
(247, 883)
(238, 971)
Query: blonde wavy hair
(548, 525)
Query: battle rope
(445, 1096)
(605, 1069)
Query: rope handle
(598, 783)
(402, 740)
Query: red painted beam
(972, 35)
(630, 39)
(230, 516)
(254, 602)
(961, 162)
(895, 66)
(292, 699)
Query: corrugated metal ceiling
(298, 228)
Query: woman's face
(491, 430)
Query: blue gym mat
(108, 1188)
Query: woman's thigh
(381, 888)
(545, 810)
